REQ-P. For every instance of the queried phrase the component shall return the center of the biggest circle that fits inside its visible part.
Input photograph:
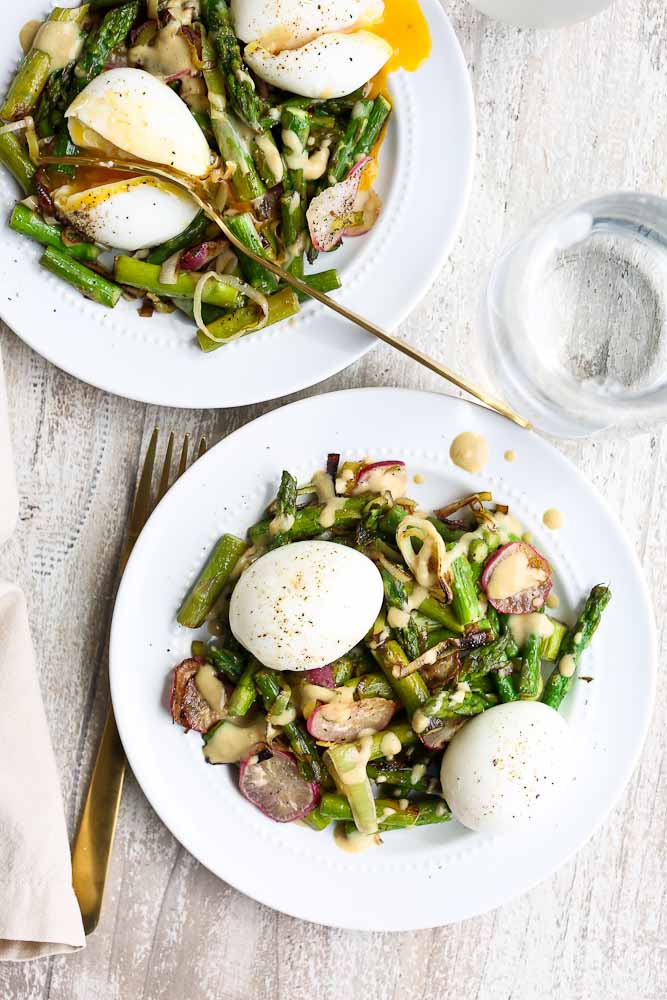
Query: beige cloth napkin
(39, 914)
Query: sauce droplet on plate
(553, 600)
(553, 519)
(469, 451)
(510, 456)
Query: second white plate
(426, 167)
(419, 878)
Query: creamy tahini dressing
(469, 451)
(168, 54)
(27, 34)
(553, 519)
(514, 574)
(510, 456)
(553, 600)
(354, 842)
(400, 617)
(281, 523)
(233, 742)
(61, 40)
(210, 687)
(360, 754)
(326, 495)
(269, 150)
(567, 665)
(522, 626)
(390, 745)
(384, 479)
(505, 524)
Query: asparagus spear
(346, 763)
(303, 746)
(409, 779)
(530, 679)
(295, 125)
(445, 705)
(210, 582)
(389, 814)
(243, 98)
(342, 156)
(307, 520)
(442, 614)
(316, 820)
(53, 101)
(282, 305)
(552, 643)
(244, 229)
(575, 642)
(505, 686)
(244, 694)
(189, 237)
(100, 43)
(14, 157)
(140, 274)
(63, 146)
(23, 220)
(323, 281)
(91, 284)
(411, 691)
(464, 593)
(374, 686)
(245, 180)
(285, 509)
(374, 125)
(224, 660)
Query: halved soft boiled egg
(286, 24)
(332, 65)
(507, 768)
(128, 214)
(130, 112)
(303, 605)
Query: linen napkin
(39, 914)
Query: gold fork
(91, 852)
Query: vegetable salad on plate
(270, 105)
(382, 666)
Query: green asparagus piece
(282, 305)
(575, 642)
(63, 146)
(409, 779)
(303, 746)
(316, 820)
(194, 234)
(552, 643)
(530, 678)
(464, 593)
(342, 158)
(390, 815)
(91, 284)
(233, 148)
(23, 220)
(101, 42)
(444, 705)
(14, 157)
(374, 686)
(244, 694)
(26, 86)
(376, 120)
(343, 762)
(448, 534)
(442, 614)
(243, 98)
(285, 509)
(307, 520)
(505, 686)
(295, 125)
(140, 274)
(209, 314)
(53, 101)
(244, 229)
(323, 281)
(488, 658)
(411, 691)
(210, 582)
(225, 662)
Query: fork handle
(94, 839)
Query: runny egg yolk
(406, 29)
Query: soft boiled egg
(286, 24)
(303, 605)
(131, 112)
(506, 769)
(128, 214)
(332, 65)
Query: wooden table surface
(561, 114)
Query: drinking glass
(574, 317)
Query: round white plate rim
(622, 774)
(202, 385)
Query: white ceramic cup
(541, 13)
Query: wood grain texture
(566, 114)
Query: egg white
(332, 65)
(286, 24)
(506, 769)
(128, 214)
(129, 110)
(304, 605)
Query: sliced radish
(343, 722)
(529, 575)
(342, 210)
(201, 254)
(189, 708)
(322, 676)
(271, 780)
(365, 470)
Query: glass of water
(575, 317)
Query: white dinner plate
(418, 878)
(426, 167)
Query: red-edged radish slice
(343, 722)
(321, 676)
(342, 210)
(271, 780)
(517, 579)
(189, 708)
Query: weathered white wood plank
(572, 113)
